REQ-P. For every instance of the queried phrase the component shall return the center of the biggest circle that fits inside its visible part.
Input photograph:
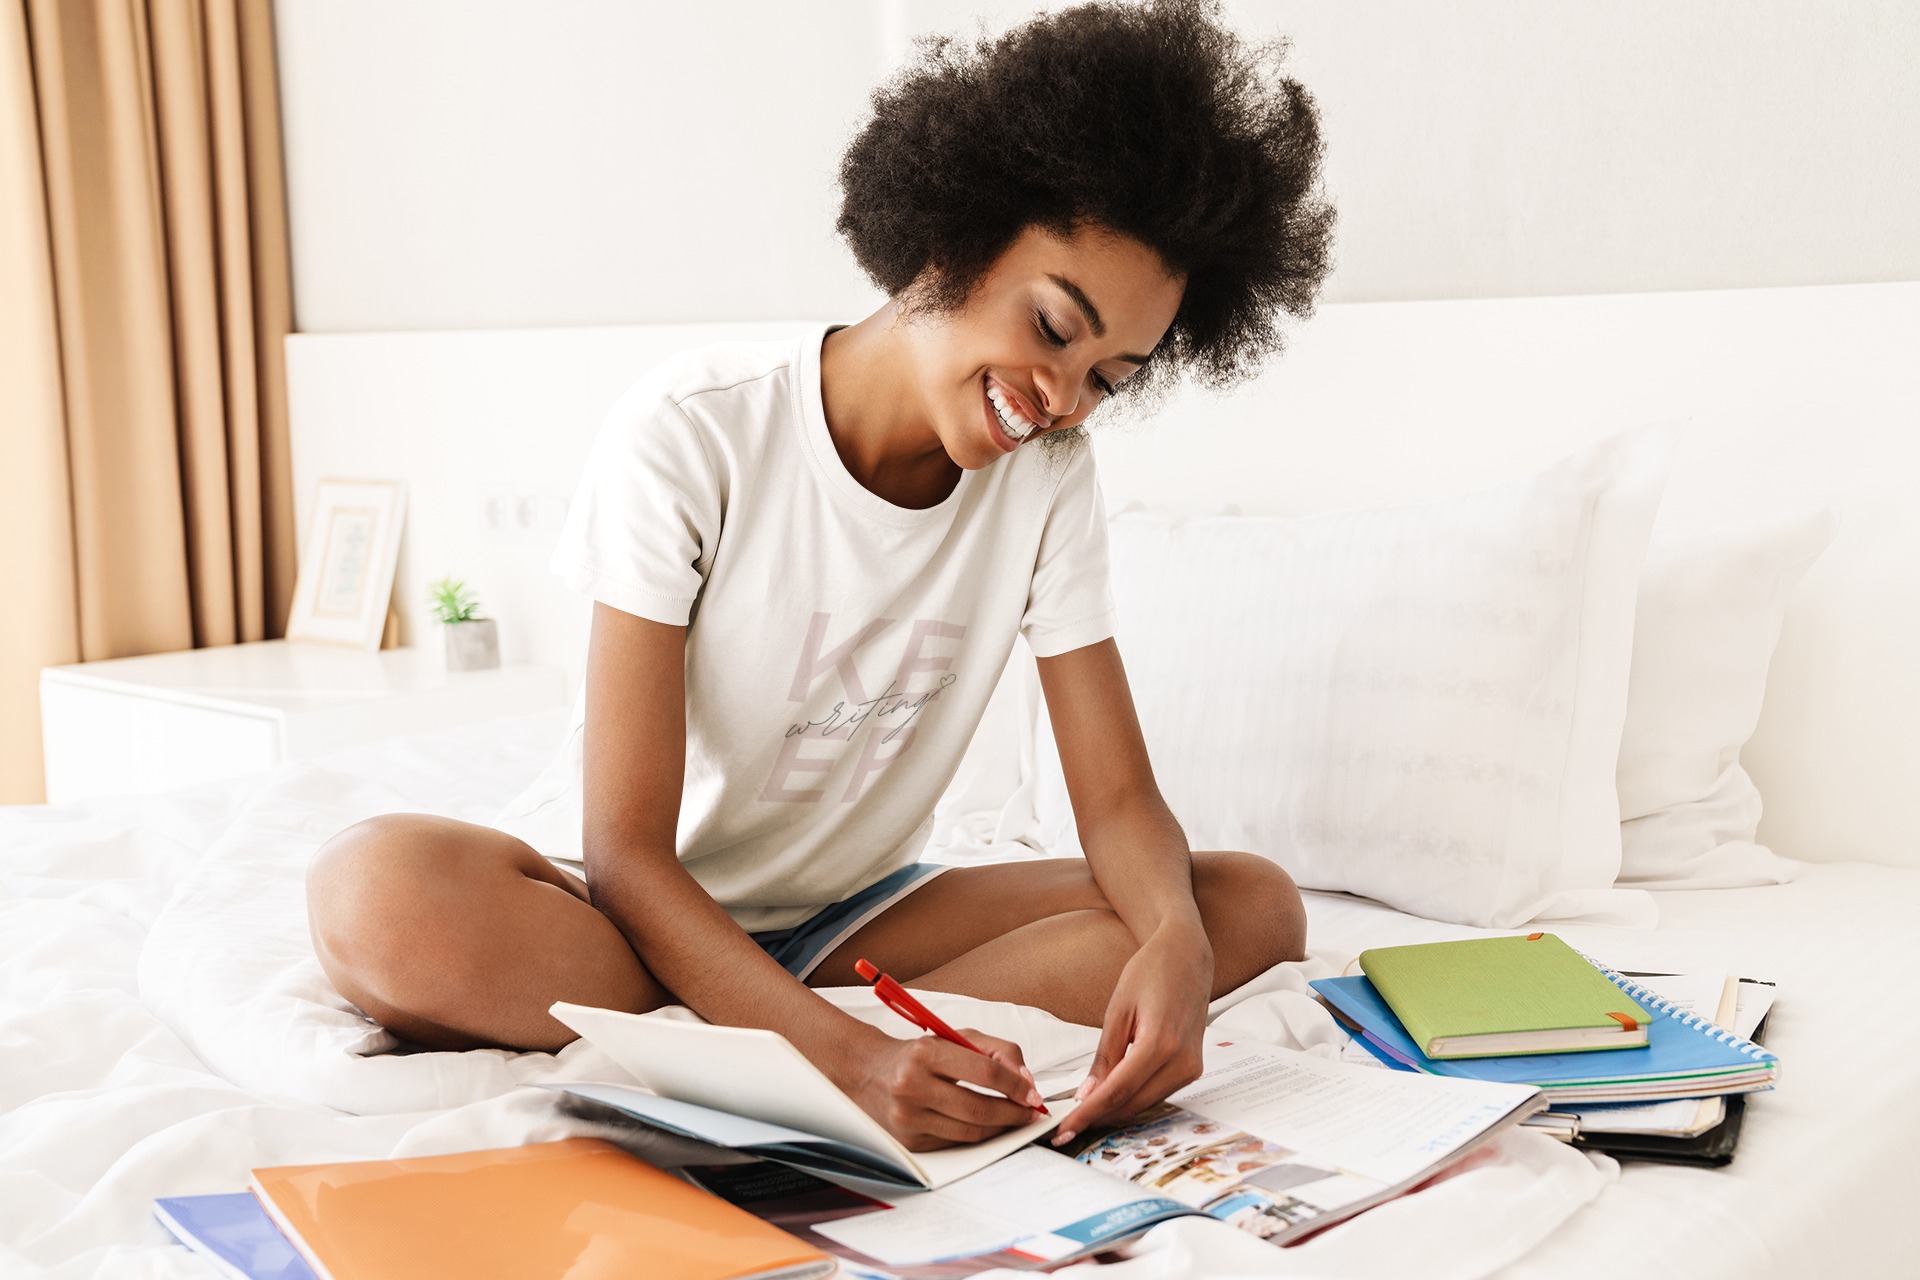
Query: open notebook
(737, 1076)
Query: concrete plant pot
(473, 646)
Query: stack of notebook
(1516, 1002)
(1693, 1131)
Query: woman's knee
(380, 881)
(1251, 902)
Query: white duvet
(164, 1028)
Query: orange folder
(581, 1208)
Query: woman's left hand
(1150, 1045)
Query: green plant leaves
(452, 600)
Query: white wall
(1500, 148)
(461, 164)
(494, 163)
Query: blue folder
(1679, 1047)
(235, 1234)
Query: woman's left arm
(1150, 1043)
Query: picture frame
(346, 570)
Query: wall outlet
(522, 515)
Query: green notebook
(1488, 997)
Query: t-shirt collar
(826, 459)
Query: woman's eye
(1101, 384)
(1046, 327)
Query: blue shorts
(806, 944)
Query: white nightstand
(173, 719)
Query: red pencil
(895, 997)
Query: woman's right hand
(912, 1087)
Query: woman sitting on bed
(809, 560)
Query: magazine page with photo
(1273, 1141)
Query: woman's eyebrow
(1091, 312)
(1081, 300)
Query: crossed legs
(458, 936)
(1042, 933)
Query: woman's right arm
(635, 767)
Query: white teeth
(1010, 421)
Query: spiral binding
(1691, 1021)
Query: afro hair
(1151, 120)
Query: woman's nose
(1057, 397)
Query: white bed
(164, 1026)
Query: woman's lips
(1006, 442)
(1007, 411)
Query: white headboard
(1797, 397)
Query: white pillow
(1711, 602)
(1421, 704)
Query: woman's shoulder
(703, 407)
(706, 374)
(1060, 467)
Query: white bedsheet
(164, 1027)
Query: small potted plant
(473, 642)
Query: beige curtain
(145, 489)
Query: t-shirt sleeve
(1070, 602)
(646, 519)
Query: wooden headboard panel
(1796, 397)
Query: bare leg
(1042, 933)
(458, 936)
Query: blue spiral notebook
(233, 1233)
(1686, 1056)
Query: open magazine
(1270, 1140)
(1259, 1186)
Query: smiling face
(1049, 333)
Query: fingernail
(1063, 1137)
(1035, 1101)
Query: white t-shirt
(840, 649)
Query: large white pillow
(1421, 704)
(1711, 602)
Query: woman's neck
(875, 415)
